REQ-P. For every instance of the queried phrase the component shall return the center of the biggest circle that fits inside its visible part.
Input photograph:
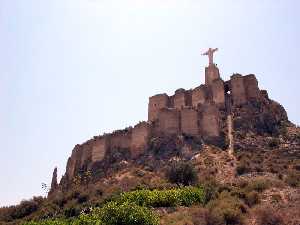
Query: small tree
(182, 173)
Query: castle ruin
(209, 112)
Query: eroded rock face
(54, 184)
(260, 117)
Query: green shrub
(127, 213)
(25, 208)
(131, 207)
(182, 173)
(71, 211)
(164, 198)
(49, 222)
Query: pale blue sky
(72, 69)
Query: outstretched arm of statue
(205, 53)
(216, 49)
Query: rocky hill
(221, 153)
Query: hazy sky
(72, 69)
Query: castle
(201, 112)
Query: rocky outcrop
(200, 114)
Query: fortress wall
(156, 103)
(199, 95)
(189, 121)
(139, 140)
(238, 91)
(251, 86)
(218, 93)
(120, 139)
(211, 73)
(179, 99)
(182, 98)
(188, 98)
(168, 121)
(99, 149)
(210, 121)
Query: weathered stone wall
(168, 121)
(139, 139)
(211, 73)
(199, 95)
(251, 86)
(238, 91)
(218, 93)
(120, 139)
(179, 99)
(189, 121)
(99, 148)
(156, 103)
(210, 121)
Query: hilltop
(219, 153)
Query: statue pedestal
(211, 73)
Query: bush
(182, 173)
(293, 179)
(25, 208)
(49, 222)
(165, 198)
(226, 210)
(252, 198)
(211, 190)
(71, 211)
(82, 198)
(258, 185)
(268, 216)
(242, 168)
(127, 213)
(274, 143)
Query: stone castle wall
(157, 103)
(169, 121)
(139, 139)
(196, 112)
(189, 121)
